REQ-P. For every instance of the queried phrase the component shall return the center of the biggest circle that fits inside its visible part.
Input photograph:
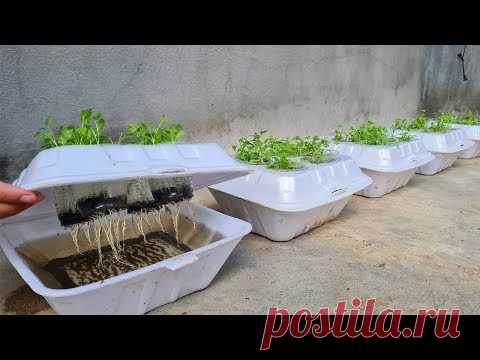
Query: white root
(174, 210)
(74, 233)
(139, 223)
(158, 218)
(97, 230)
(191, 215)
(114, 227)
(145, 215)
(86, 231)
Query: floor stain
(24, 301)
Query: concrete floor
(418, 247)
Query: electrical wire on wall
(461, 57)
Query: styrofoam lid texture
(386, 158)
(64, 165)
(298, 190)
(472, 132)
(447, 142)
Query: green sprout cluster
(142, 133)
(464, 119)
(90, 132)
(281, 153)
(371, 133)
(422, 123)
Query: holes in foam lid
(121, 154)
(155, 153)
(188, 151)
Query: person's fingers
(40, 196)
(14, 195)
(7, 210)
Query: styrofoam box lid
(386, 158)
(472, 132)
(298, 190)
(447, 142)
(64, 165)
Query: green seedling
(448, 118)
(311, 148)
(370, 133)
(280, 154)
(422, 123)
(142, 133)
(467, 119)
(89, 132)
(283, 163)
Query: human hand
(14, 200)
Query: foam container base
(281, 205)
(440, 163)
(446, 146)
(472, 132)
(384, 183)
(135, 292)
(389, 166)
(471, 153)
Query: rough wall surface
(218, 92)
(443, 86)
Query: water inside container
(62, 262)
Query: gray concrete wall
(218, 92)
(443, 86)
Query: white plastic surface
(283, 204)
(389, 166)
(472, 152)
(208, 163)
(472, 132)
(135, 292)
(441, 162)
(446, 146)
(393, 158)
(385, 182)
(448, 142)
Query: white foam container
(389, 166)
(281, 205)
(472, 132)
(446, 146)
(74, 164)
(135, 292)
(141, 290)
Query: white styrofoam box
(72, 164)
(472, 152)
(143, 289)
(281, 205)
(441, 162)
(135, 292)
(472, 132)
(446, 146)
(385, 182)
(389, 166)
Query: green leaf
(85, 134)
(142, 133)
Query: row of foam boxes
(278, 205)
(283, 205)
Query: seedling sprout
(370, 133)
(281, 153)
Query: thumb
(14, 195)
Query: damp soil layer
(85, 268)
